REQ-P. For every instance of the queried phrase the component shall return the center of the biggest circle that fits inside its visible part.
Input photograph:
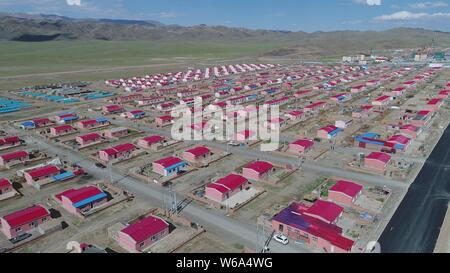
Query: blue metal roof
(335, 132)
(70, 118)
(28, 124)
(374, 136)
(177, 165)
(63, 176)
(90, 200)
(102, 120)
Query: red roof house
(138, 236)
(344, 192)
(300, 146)
(82, 200)
(121, 151)
(196, 154)
(13, 158)
(294, 223)
(325, 211)
(112, 109)
(41, 173)
(410, 130)
(9, 141)
(377, 161)
(150, 141)
(169, 165)
(258, 170)
(5, 186)
(434, 104)
(23, 221)
(88, 139)
(62, 130)
(225, 187)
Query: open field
(18, 58)
(24, 64)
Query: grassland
(18, 58)
(43, 62)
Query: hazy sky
(296, 15)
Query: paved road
(212, 220)
(416, 224)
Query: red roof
(124, 147)
(41, 120)
(88, 122)
(314, 105)
(260, 166)
(145, 228)
(14, 155)
(296, 113)
(329, 128)
(328, 211)
(165, 118)
(399, 139)
(347, 187)
(434, 101)
(358, 87)
(153, 139)
(366, 107)
(4, 183)
(66, 116)
(58, 196)
(168, 161)
(91, 136)
(43, 171)
(383, 98)
(228, 183)
(199, 151)
(25, 216)
(136, 112)
(109, 151)
(399, 89)
(220, 104)
(379, 156)
(9, 140)
(81, 194)
(409, 127)
(165, 105)
(111, 108)
(63, 128)
(423, 113)
(294, 216)
(306, 143)
(303, 92)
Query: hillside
(32, 28)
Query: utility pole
(110, 173)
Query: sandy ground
(443, 243)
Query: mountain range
(39, 27)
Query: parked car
(20, 238)
(281, 239)
(100, 165)
(234, 143)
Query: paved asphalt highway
(416, 224)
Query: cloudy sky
(296, 15)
